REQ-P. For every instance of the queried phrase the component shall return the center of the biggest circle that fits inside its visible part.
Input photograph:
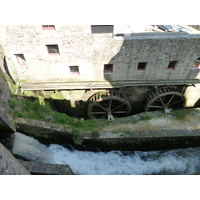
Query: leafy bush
(13, 103)
(61, 118)
(147, 117)
(77, 137)
(95, 134)
(19, 113)
(34, 110)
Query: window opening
(197, 63)
(102, 28)
(53, 49)
(21, 59)
(108, 69)
(74, 69)
(142, 66)
(48, 27)
(172, 65)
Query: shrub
(95, 134)
(34, 110)
(13, 103)
(18, 114)
(77, 137)
(147, 117)
(61, 118)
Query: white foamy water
(179, 161)
(182, 161)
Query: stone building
(95, 67)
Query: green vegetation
(127, 134)
(95, 134)
(179, 114)
(57, 95)
(18, 113)
(33, 109)
(146, 117)
(77, 136)
(13, 87)
(13, 103)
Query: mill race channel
(183, 161)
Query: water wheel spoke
(161, 100)
(98, 113)
(156, 106)
(102, 107)
(120, 112)
(168, 103)
(110, 104)
(176, 102)
(118, 107)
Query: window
(102, 28)
(53, 49)
(21, 59)
(197, 63)
(172, 65)
(48, 27)
(142, 66)
(74, 69)
(108, 69)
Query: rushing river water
(177, 161)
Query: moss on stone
(58, 96)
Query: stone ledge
(5, 122)
(37, 168)
(9, 165)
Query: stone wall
(36, 168)
(90, 52)
(5, 119)
(79, 47)
(9, 165)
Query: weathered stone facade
(79, 47)
(9, 165)
(5, 119)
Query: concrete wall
(9, 165)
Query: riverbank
(145, 131)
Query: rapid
(183, 161)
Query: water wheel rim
(104, 111)
(169, 105)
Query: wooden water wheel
(109, 105)
(165, 98)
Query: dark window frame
(108, 69)
(18, 57)
(52, 46)
(99, 29)
(48, 27)
(74, 69)
(142, 66)
(172, 65)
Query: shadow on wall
(139, 59)
(197, 104)
(147, 58)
